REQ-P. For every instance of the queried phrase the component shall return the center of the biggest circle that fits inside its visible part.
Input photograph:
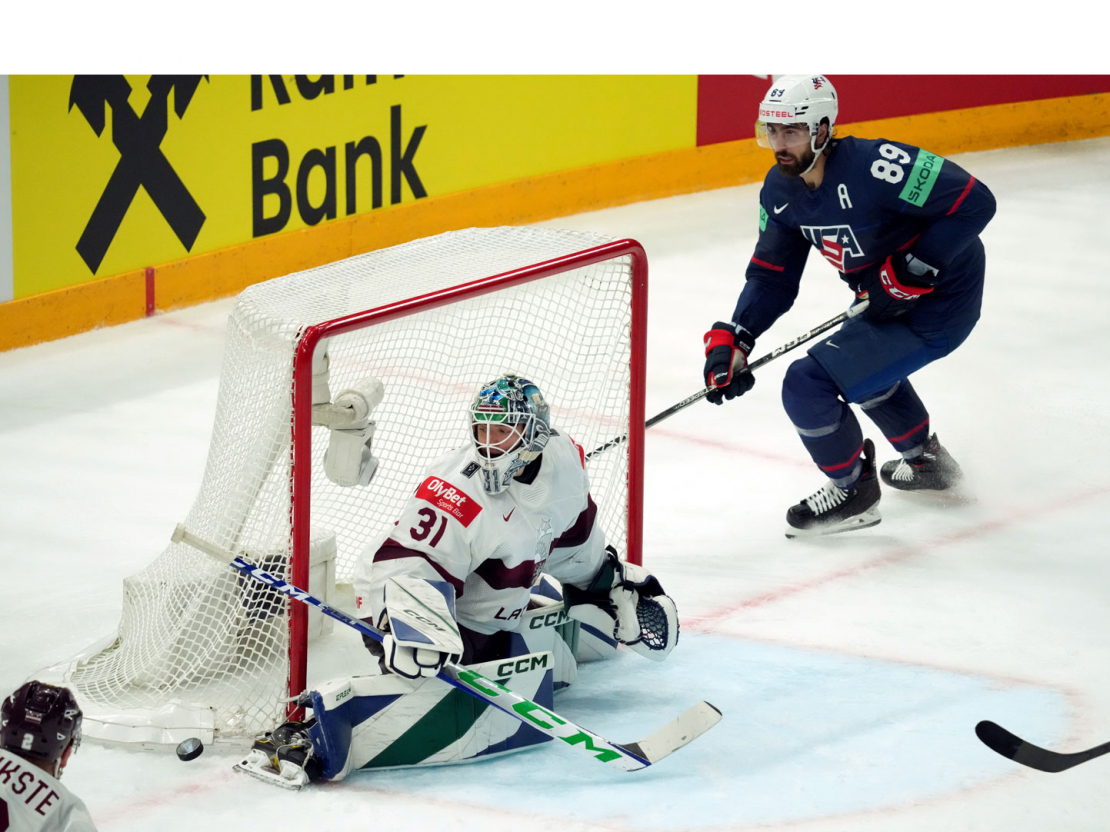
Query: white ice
(851, 670)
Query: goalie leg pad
(390, 722)
(549, 629)
(434, 723)
(586, 642)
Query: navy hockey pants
(868, 364)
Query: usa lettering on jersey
(835, 242)
(446, 497)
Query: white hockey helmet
(798, 99)
(516, 403)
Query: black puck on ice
(190, 749)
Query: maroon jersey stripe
(392, 550)
(499, 576)
(579, 533)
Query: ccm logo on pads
(446, 497)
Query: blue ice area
(806, 734)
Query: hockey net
(203, 651)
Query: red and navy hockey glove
(895, 285)
(726, 360)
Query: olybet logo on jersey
(446, 497)
(835, 242)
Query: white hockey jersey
(490, 547)
(33, 801)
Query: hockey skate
(284, 757)
(833, 509)
(933, 470)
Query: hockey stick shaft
(755, 365)
(998, 739)
(689, 725)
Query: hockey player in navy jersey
(901, 225)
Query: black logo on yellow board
(394, 158)
(142, 162)
(306, 86)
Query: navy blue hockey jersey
(876, 197)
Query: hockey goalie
(497, 532)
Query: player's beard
(797, 165)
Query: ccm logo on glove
(888, 276)
(895, 285)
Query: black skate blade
(869, 518)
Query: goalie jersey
(490, 547)
(37, 802)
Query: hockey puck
(190, 749)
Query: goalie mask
(509, 426)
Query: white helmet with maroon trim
(798, 99)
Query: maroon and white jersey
(490, 547)
(33, 801)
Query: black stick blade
(998, 739)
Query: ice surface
(851, 670)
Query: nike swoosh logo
(830, 343)
(780, 210)
(510, 514)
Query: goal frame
(301, 452)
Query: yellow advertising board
(116, 173)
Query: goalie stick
(998, 739)
(755, 365)
(627, 757)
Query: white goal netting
(197, 636)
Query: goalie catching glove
(421, 632)
(626, 602)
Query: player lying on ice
(459, 579)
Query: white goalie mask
(509, 424)
(798, 100)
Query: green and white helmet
(513, 402)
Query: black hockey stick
(755, 365)
(998, 739)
